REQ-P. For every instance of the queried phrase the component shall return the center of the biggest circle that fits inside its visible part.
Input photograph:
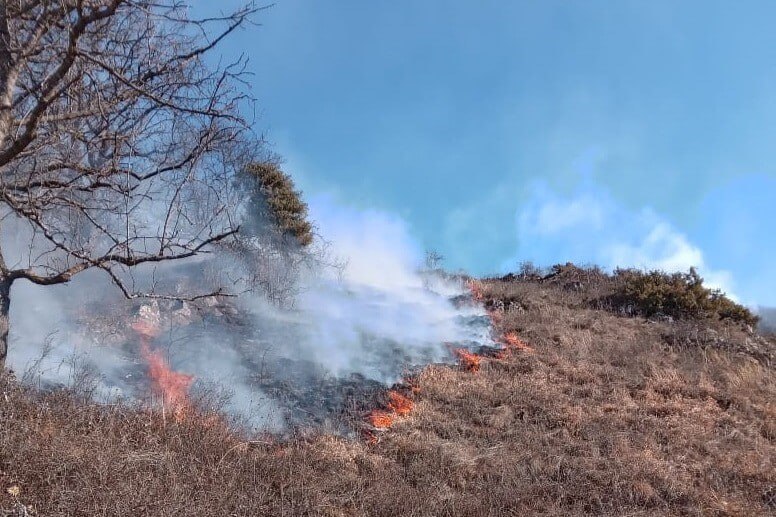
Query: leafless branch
(118, 143)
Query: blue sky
(615, 132)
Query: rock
(150, 312)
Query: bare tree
(118, 142)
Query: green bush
(276, 201)
(679, 295)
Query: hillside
(595, 410)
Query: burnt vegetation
(605, 412)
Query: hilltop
(604, 402)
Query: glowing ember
(399, 404)
(171, 386)
(470, 361)
(380, 419)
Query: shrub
(275, 200)
(679, 295)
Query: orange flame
(172, 386)
(399, 404)
(380, 419)
(511, 340)
(469, 360)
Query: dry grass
(608, 416)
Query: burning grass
(469, 360)
(476, 289)
(513, 342)
(171, 386)
(399, 404)
(380, 419)
(607, 416)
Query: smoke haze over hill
(367, 312)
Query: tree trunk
(7, 80)
(5, 305)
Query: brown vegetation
(607, 415)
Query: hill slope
(604, 415)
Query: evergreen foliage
(275, 200)
(679, 295)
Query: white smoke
(767, 319)
(374, 317)
(379, 300)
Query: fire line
(171, 386)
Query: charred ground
(611, 411)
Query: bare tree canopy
(118, 142)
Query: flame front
(399, 404)
(380, 419)
(171, 386)
(383, 419)
(511, 340)
(475, 287)
(469, 360)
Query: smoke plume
(356, 319)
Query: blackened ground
(223, 347)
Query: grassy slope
(604, 417)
